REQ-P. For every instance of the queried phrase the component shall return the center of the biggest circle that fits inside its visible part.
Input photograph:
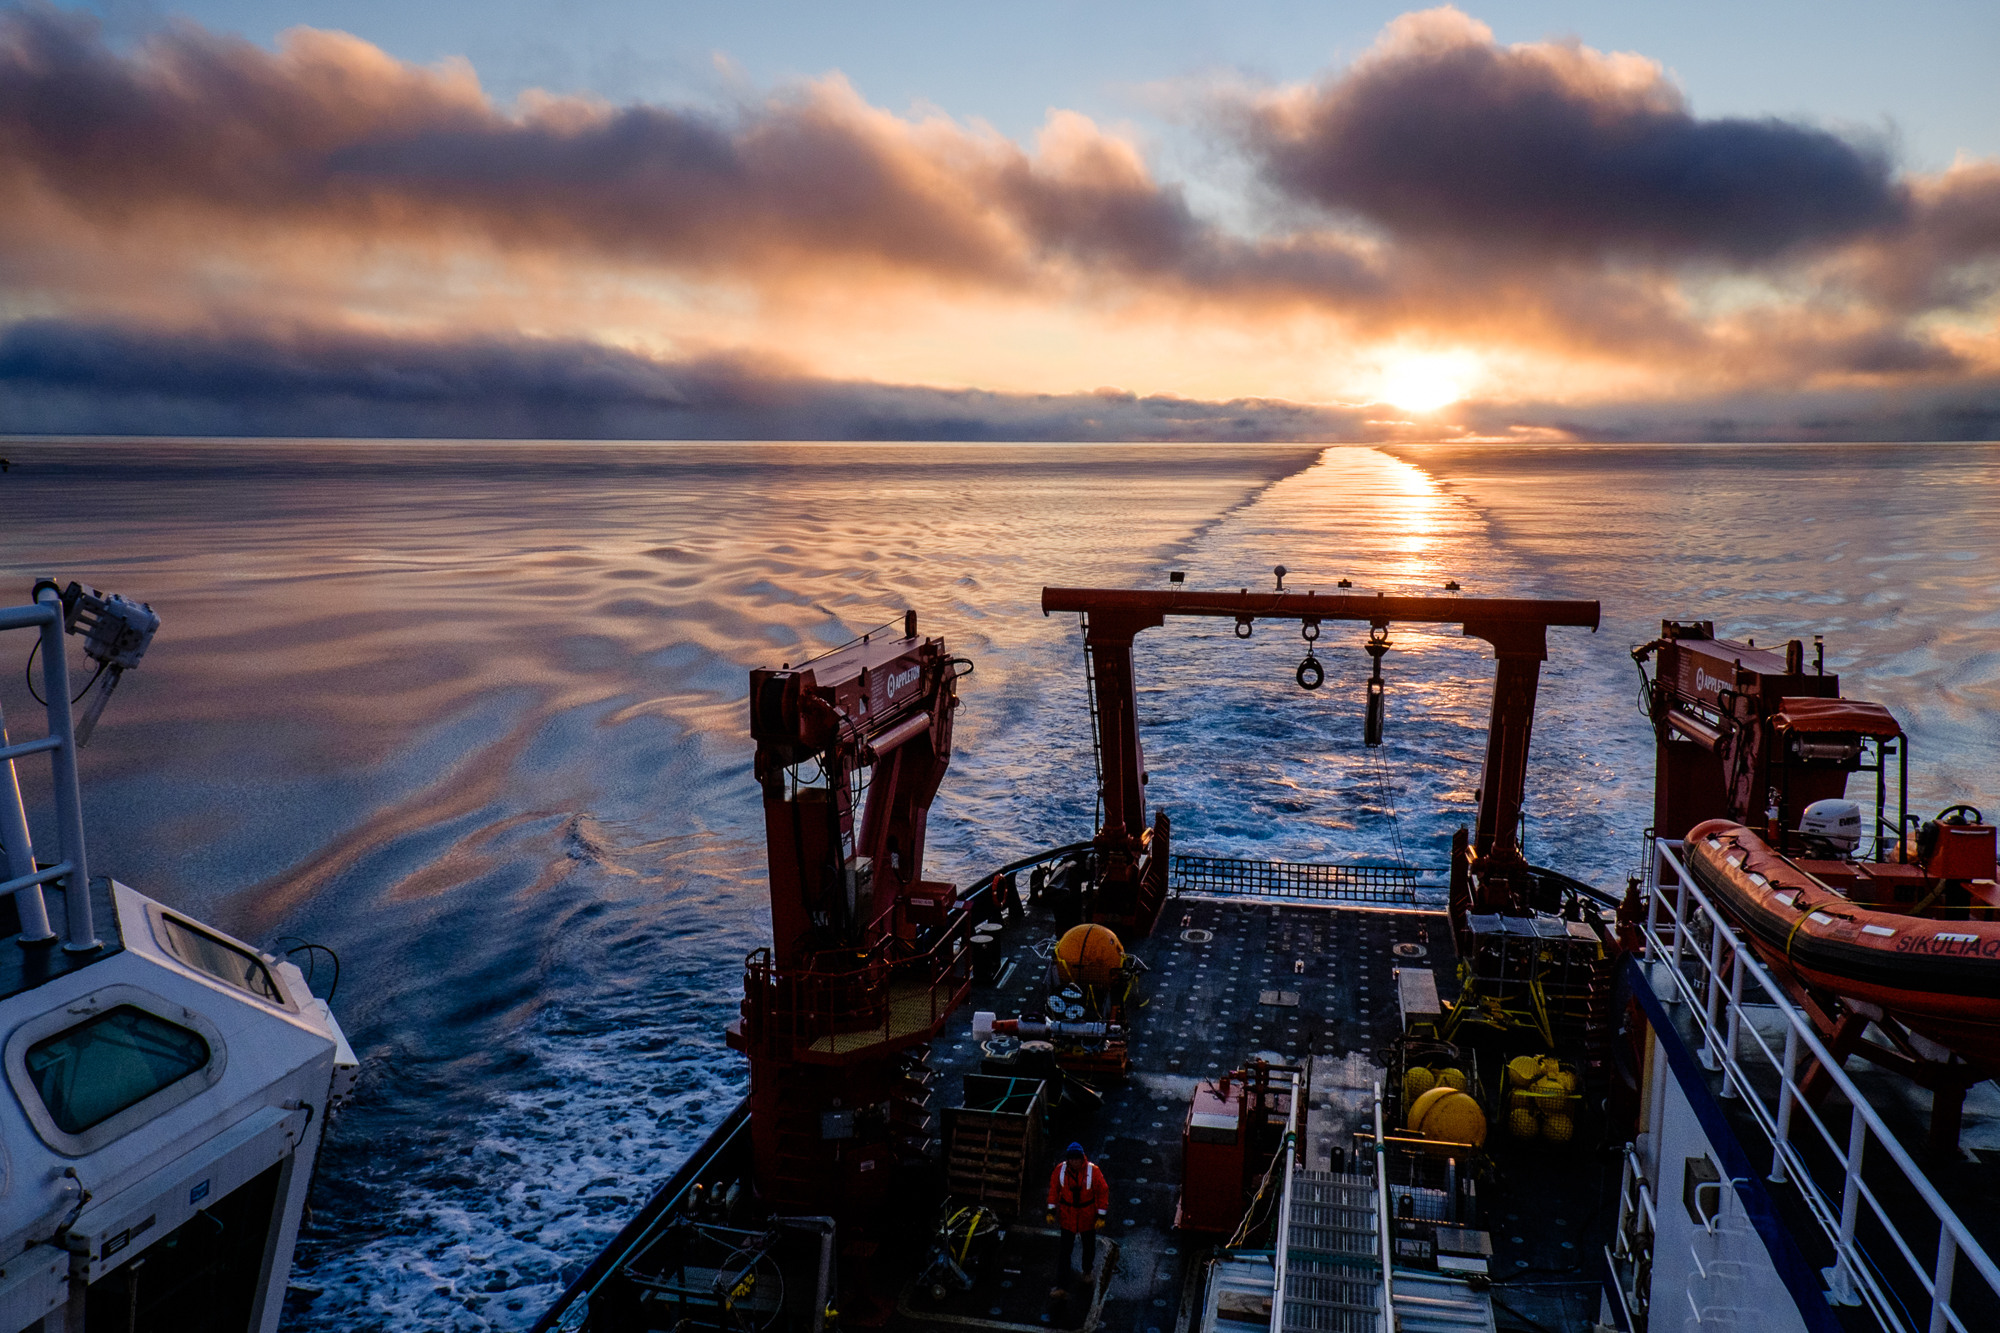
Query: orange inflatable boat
(1923, 948)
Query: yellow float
(1450, 1115)
(1089, 955)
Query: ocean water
(472, 715)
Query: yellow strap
(1806, 913)
(1794, 931)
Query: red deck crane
(868, 958)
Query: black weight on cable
(1372, 716)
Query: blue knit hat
(1076, 1148)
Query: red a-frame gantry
(1132, 859)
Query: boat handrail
(1281, 1242)
(1632, 1237)
(1715, 995)
(1384, 1242)
(801, 1007)
(24, 880)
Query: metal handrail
(1282, 1242)
(1715, 1006)
(808, 1005)
(1384, 1243)
(866, 636)
(24, 880)
(1636, 1216)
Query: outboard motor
(1832, 827)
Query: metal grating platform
(1386, 886)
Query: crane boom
(868, 958)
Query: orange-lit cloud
(1555, 222)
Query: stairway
(1332, 1284)
(910, 1117)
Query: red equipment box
(1964, 851)
(929, 903)
(1213, 1152)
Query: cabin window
(91, 1072)
(219, 958)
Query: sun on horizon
(1426, 382)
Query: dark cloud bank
(58, 378)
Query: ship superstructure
(167, 1086)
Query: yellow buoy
(1551, 1066)
(1450, 1115)
(1522, 1124)
(1568, 1079)
(1457, 1119)
(1089, 955)
(1550, 1091)
(1523, 1070)
(1559, 1128)
(1451, 1078)
(1416, 1083)
(1520, 1099)
(1422, 1105)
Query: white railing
(1385, 1247)
(1717, 983)
(1281, 1243)
(22, 878)
(1638, 1223)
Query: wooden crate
(993, 1143)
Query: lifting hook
(1311, 675)
(1371, 723)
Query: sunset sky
(1036, 221)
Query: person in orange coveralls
(1079, 1202)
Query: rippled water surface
(473, 715)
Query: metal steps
(1333, 1218)
(1330, 1266)
(1331, 1282)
